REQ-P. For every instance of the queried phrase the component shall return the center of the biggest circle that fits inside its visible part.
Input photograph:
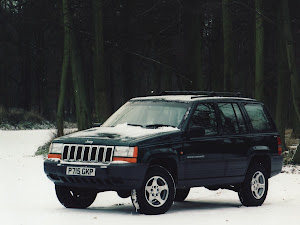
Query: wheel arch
(168, 163)
(263, 159)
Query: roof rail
(201, 93)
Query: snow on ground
(27, 197)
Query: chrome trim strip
(83, 163)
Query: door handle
(239, 141)
(227, 141)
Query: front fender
(159, 153)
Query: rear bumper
(277, 162)
(112, 177)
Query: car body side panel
(203, 158)
(236, 148)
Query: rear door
(236, 138)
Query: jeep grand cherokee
(156, 148)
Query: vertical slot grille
(93, 154)
(101, 154)
(108, 155)
(65, 153)
(87, 153)
(79, 153)
(72, 153)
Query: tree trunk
(259, 51)
(295, 123)
(82, 111)
(65, 66)
(198, 78)
(3, 86)
(228, 46)
(193, 31)
(100, 90)
(290, 52)
(282, 83)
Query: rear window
(259, 118)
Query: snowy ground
(27, 197)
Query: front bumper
(111, 177)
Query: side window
(228, 119)
(205, 116)
(231, 118)
(258, 117)
(240, 119)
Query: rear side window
(228, 118)
(259, 118)
(240, 118)
(231, 118)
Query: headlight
(125, 151)
(56, 148)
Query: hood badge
(88, 142)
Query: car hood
(119, 135)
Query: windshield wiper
(158, 125)
(135, 125)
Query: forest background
(80, 60)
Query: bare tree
(100, 90)
(259, 50)
(228, 45)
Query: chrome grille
(87, 153)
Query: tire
(75, 197)
(254, 189)
(124, 193)
(156, 194)
(181, 194)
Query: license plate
(81, 171)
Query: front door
(202, 152)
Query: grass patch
(44, 149)
(19, 119)
(291, 143)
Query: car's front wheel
(156, 194)
(254, 189)
(75, 197)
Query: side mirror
(197, 131)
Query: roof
(188, 98)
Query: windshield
(149, 114)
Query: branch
(148, 10)
(265, 18)
(152, 60)
(254, 10)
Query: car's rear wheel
(181, 194)
(75, 197)
(156, 194)
(254, 189)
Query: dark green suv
(156, 148)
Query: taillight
(279, 145)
